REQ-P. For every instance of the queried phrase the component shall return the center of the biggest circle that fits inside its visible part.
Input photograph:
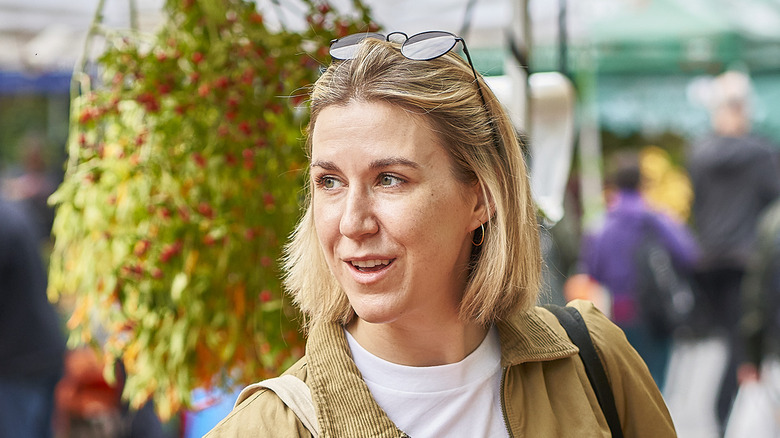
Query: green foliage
(183, 183)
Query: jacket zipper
(502, 395)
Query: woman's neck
(430, 343)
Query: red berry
(276, 108)
(86, 115)
(222, 82)
(170, 250)
(297, 99)
(205, 209)
(248, 76)
(199, 159)
(244, 127)
(149, 101)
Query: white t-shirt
(454, 400)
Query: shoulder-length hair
(484, 149)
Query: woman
(417, 264)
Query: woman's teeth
(370, 264)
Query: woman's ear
(484, 207)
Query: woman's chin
(376, 316)
(376, 313)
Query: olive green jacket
(545, 391)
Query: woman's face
(393, 222)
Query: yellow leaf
(191, 262)
(178, 285)
(77, 318)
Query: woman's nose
(358, 218)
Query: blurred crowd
(697, 298)
(716, 332)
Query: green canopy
(681, 36)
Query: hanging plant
(183, 181)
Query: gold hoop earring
(481, 236)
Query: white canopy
(48, 35)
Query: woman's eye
(389, 180)
(328, 182)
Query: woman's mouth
(370, 265)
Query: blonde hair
(484, 149)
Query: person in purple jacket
(607, 255)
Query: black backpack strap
(571, 320)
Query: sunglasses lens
(428, 45)
(345, 48)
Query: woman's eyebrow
(376, 164)
(326, 165)
(393, 161)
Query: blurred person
(609, 257)
(734, 176)
(417, 265)
(756, 409)
(33, 186)
(760, 322)
(32, 343)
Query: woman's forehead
(371, 125)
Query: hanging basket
(182, 184)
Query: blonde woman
(417, 265)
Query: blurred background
(582, 79)
(639, 66)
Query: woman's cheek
(326, 221)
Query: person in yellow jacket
(417, 266)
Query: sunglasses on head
(423, 46)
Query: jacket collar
(344, 403)
(529, 337)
